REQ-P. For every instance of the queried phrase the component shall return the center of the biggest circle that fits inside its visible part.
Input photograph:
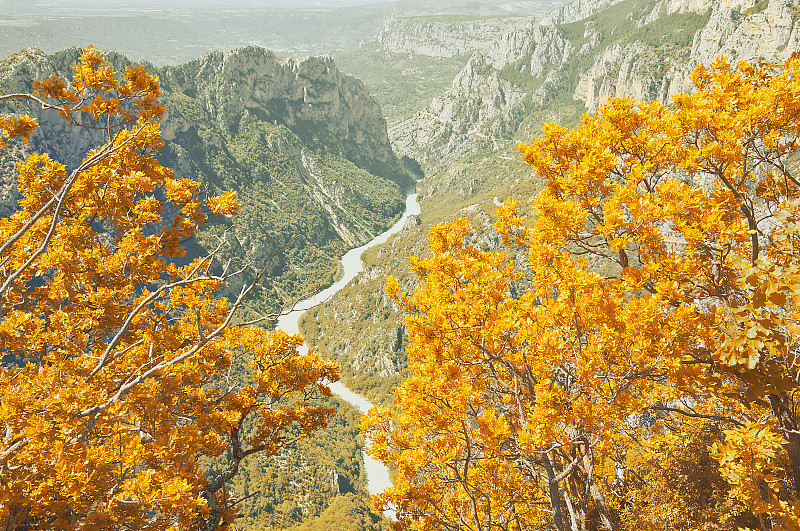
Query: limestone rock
(463, 119)
(466, 118)
(298, 93)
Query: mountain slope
(303, 145)
(306, 149)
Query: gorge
(377, 475)
(321, 149)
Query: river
(377, 474)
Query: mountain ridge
(531, 63)
(304, 145)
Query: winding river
(377, 474)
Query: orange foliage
(113, 381)
(665, 277)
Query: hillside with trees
(305, 147)
(311, 177)
(114, 389)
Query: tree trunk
(554, 495)
(783, 408)
(215, 516)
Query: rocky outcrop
(551, 49)
(482, 107)
(574, 11)
(741, 30)
(522, 66)
(460, 121)
(500, 39)
(632, 71)
(310, 96)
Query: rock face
(483, 105)
(621, 70)
(469, 116)
(741, 30)
(304, 146)
(500, 40)
(495, 38)
(310, 96)
(585, 52)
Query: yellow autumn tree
(662, 303)
(113, 385)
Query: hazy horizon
(175, 31)
(21, 5)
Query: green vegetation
(276, 177)
(759, 6)
(316, 480)
(403, 84)
(670, 31)
(519, 74)
(19, 23)
(347, 512)
(301, 198)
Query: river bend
(377, 474)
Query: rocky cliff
(741, 30)
(304, 145)
(501, 39)
(309, 96)
(573, 59)
(484, 104)
(495, 38)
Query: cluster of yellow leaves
(113, 382)
(663, 266)
(749, 460)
